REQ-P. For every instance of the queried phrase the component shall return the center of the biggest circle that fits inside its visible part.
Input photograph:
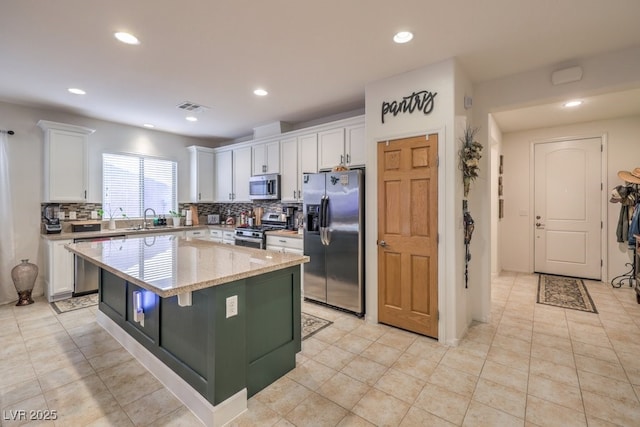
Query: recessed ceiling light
(76, 91)
(148, 125)
(572, 103)
(127, 38)
(403, 37)
(260, 92)
(191, 118)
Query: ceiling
(314, 58)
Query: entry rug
(75, 303)
(312, 324)
(565, 292)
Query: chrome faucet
(145, 225)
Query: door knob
(382, 243)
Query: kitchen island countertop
(169, 265)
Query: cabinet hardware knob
(348, 158)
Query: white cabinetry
(202, 174)
(219, 235)
(279, 243)
(58, 270)
(197, 234)
(299, 156)
(232, 172)
(344, 146)
(65, 161)
(266, 158)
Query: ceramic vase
(24, 278)
(176, 221)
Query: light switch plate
(232, 306)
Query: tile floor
(532, 365)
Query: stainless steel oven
(251, 242)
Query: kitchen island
(215, 323)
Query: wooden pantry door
(407, 234)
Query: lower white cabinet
(197, 234)
(218, 235)
(58, 270)
(278, 243)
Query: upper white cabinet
(202, 174)
(223, 167)
(65, 161)
(298, 156)
(345, 145)
(241, 174)
(266, 158)
(232, 172)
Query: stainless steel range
(255, 236)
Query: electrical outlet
(232, 306)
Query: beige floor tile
(343, 390)
(512, 344)
(454, 380)
(463, 360)
(553, 354)
(110, 359)
(257, 414)
(117, 418)
(364, 370)
(181, 417)
(601, 367)
(415, 366)
(509, 358)
(353, 343)
(371, 331)
(23, 413)
(347, 323)
(312, 374)
(316, 410)
(417, 417)
(381, 409)
(501, 374)
(544, 413)
(65, 375)
(334, 357)
(352, 420)
(480, 415)
(129, 381)
(612, 410)
(398, 339)
(427, 348)
(330, 335)
(152, 407)
(283, 395)
(398, 384)
(553, 371)
(556, 392)
(501, 397)
(443, 403)
(381, 353)
(312, 347)
(603, 353)
(608, 387)
(13, 393)
(81, 402)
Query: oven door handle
(249, 239)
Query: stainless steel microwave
(264, 187)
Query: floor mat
(565, 292)
(312, 324)
(75, 303)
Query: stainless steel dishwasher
(87, 275)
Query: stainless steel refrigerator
(334, 239)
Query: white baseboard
(210, 415)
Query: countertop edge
(120, 232)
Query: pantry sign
(418, 101)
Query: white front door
(567, 208)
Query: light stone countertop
(286, 233)
(169, 265)
(120, 232)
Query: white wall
(623, 153)
(452, 298)
(26, 166)
(605, 73)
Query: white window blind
(135, 183)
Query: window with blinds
(135, 183)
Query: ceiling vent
(192, 107)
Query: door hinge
(601, 225)
(437, 238)
(437, 161)
(438, 314)
(601, 186)
(601, 263)
(601, 148)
